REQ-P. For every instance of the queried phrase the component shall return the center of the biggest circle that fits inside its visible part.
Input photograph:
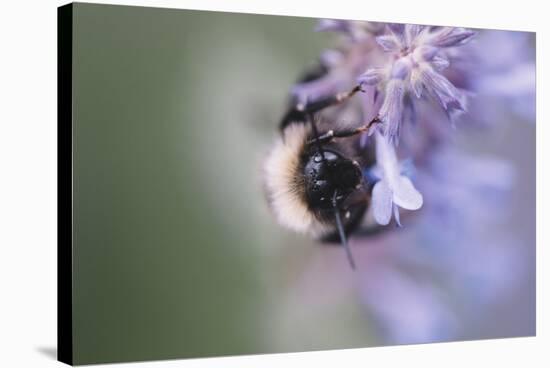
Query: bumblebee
(314, 174)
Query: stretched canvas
(247, 184)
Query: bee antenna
(316, 134)
(341, 231)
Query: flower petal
(439, 63)
(401, 68)
(371, 77)
(451, 36)
(396, 215)
(382, 202)
(411, 33)
(447, 95)
(405, 194)
(416, 83)
(388, 43)
(396, 28)
(392, 109)
(425, 53)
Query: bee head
(330, 178)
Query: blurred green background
(175, 251)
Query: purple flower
(414, 65)
(443, 271)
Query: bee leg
(313, 107)
(300, 112)
(328, 136)
(355, 131)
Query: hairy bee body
(286, 181)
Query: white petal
(382, 202)
(405, 194)
(396, 215)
